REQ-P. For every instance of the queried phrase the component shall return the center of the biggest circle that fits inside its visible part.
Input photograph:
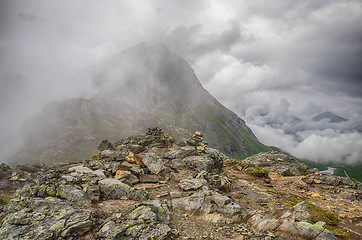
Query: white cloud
(249, 54)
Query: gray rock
(81, 171)
(305, 230)
(114, 188)
(5, 171)
(277, 162)
(198, 203)
(69, 178)
(148, 178)
(93, 192)
(72, 193)
(144, 213)
(110, 231)
(138, 194)
(132, 179)
(44, 218)
(135, 148)
(108, 154)
(122, 174)
(326, 235)
(125, 166)
(153, 163)
(299, 213)
(211, 162)
(192, 184)
(136, 170)
(261, 222)
(159, 232)
(104, 145)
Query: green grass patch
(317, 214)
(258, 172)
(5, 199)
(342, 234)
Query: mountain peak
(143, 86)
(148, 76)
(333, 118)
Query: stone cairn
(196, 140)
(156, 131)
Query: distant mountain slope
(141, 87)
(333, 118)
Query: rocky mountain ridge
(141, 87)
(150, 186)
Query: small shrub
(342, 234)
(4, 199)
(258, 172)
(287, 173)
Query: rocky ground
(150, 187)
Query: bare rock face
(153, 163)
(161, 89)
(5, 171)
(180, 192)
(277, 162)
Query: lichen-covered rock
(305, 230)
(192, 184)
(72, 193)
(277, 162)
(147, 221)
(44, 218)
(84, 172)
(261, 222)
(114, 188)
(111, 231)
(153, 163)
(298, 213)
(204, 202)
(148, 178)
(198, 203)
(211, 161)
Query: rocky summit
(151, 186)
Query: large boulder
(113, 188)
(192, 183)
(305, 230)
(105, 145)
(206, 202)
(44, 218)
(211, 161)
(277, 162)
(147, 221)
(5, 171)
(153, 163)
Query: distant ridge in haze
(143, 86)
(333, 118)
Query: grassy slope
(221, 128)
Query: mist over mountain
(250, 55)
(333, 118)
(143, 86)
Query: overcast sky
(269, 61)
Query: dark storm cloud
(272, 62)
